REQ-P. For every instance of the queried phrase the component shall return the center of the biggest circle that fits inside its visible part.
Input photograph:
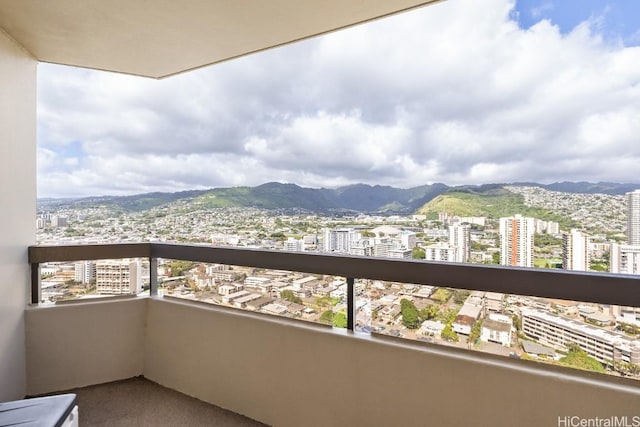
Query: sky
(460, 92)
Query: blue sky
(460, 92)
(616, 19)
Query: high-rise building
(575, 251)
(624, 259)
(339, 239)
(516, 241)
(548, 227)
(408, 239)
(118, 277)
(58, 221)
(293, 245)
(85, 271)
(633, 217)
(382, 247)
(440, 252)
(460, 238)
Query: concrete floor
(140, 402)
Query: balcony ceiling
(158, 38)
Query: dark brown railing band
(558, 284)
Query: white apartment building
(115, 277)
(408, 239)
(362, 247)
(58, 221)
(603, 345)
(575, 251)
(624, 259)
(220, 272)
(85, 271)
(516, 241)
(633, 217)
(460, 238)
(399, 253)
(382, 248)
(440, 252)
(548, 227)
(476, 220)
(293, 245)
(339, 239)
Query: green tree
(449, 334)
(418, 253)
(289, 296)
(517, 322)
(441, 295)
(278, 235)
(476, 330)
(495, 258)
(429, 312)
(327, 317)
(340, 320)
(477, 246)
(179, 268)
(410, 317)
(367, 233)
(578, 358)
(460, 296)
(542, 240)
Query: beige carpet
(140, 402)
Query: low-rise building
(431, 328)
(497, 328)
(467, 316)
(116, 277)
(558, 332)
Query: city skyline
(458, 92)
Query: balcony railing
(599, 288)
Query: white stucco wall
(84, 343)
(18, 207)
(289, 374)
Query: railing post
(351, 304)
(35, 283)
(153, 276)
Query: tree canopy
(578, 358)
(410, 317)
(289, 296)
(418, 253)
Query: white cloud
(453, 93)
(537, 12)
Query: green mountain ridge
(494, 203)
(491, 200)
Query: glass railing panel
(588, 336)
(314, 298)
(80, 280)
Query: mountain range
(358, 197)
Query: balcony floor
(140, 402)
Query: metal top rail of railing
(558, 284)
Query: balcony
(140, 402)
(282, 371)
(274, 370)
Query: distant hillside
(137, 202)
(367, 198)
(490, 201)
(484, 200)
(359, 197)
(611, 188)
(272, 195)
